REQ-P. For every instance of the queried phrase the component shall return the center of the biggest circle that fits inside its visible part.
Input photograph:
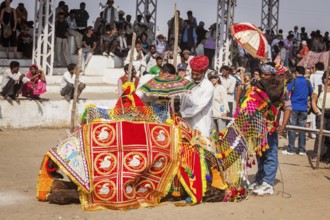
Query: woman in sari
(37, 85)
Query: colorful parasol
(167, 85)
(251, 39)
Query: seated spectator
(160, 44)
(67, 83)
(155, 69)
(12, 82)
(25, 43)
(61, 43)
(150, 57)
(186, 58)
(122, 46)
(123, 79)
(182, 70)
(89, 45)
(145, 44)
(37, 84)
(138, 59)
(73, 31)
(109, 41)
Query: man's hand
(280, 129)
(21, 76)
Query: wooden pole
(75, 95)
(176, 37)
(131, 57)
(321, 133)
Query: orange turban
(199, 63)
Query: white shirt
(71, 22)
(316, 78)
(220, 101)
(230, 85)
(196, 107)
(9, 75)
(107, 13)
(67, 78)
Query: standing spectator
(303, 34)
(229, 82)
(282, 52)
(109, 41)
(22, 16)
(171, 26)
(189, 36)
(123, 47)
(138, 59)
(99, 25)
(25, 42)
(89, 45)
(304, 50)
(150, 28)
(67, 83)
(317, 103)
(110, 14)
(314, 42)
(37, 84)
(196, 107)
(139, 27)
(201, 32)
(296, 35)
(121, 21)
(61, 42)
(209, 44)
(316, 78)
(220, 106)
(299, 89)
(71, 20)
(12, 82)
(128, 29)
(192, 19)
(8, 21)
(82, 17)
(288, 44)
(59, 9)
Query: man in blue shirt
(299, 89)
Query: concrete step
(3, 55)
(90, 88)
(22, 62)
(44, 113)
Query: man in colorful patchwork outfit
(273, 85)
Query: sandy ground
(306, 192)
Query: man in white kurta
(196, 106)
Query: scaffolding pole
(270, 14)
(225, 18)
(145, 7)
(44, 34)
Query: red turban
(199, 63)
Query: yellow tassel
(217, 180)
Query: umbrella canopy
(167, 85)
(251, 39)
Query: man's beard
(198, 81)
